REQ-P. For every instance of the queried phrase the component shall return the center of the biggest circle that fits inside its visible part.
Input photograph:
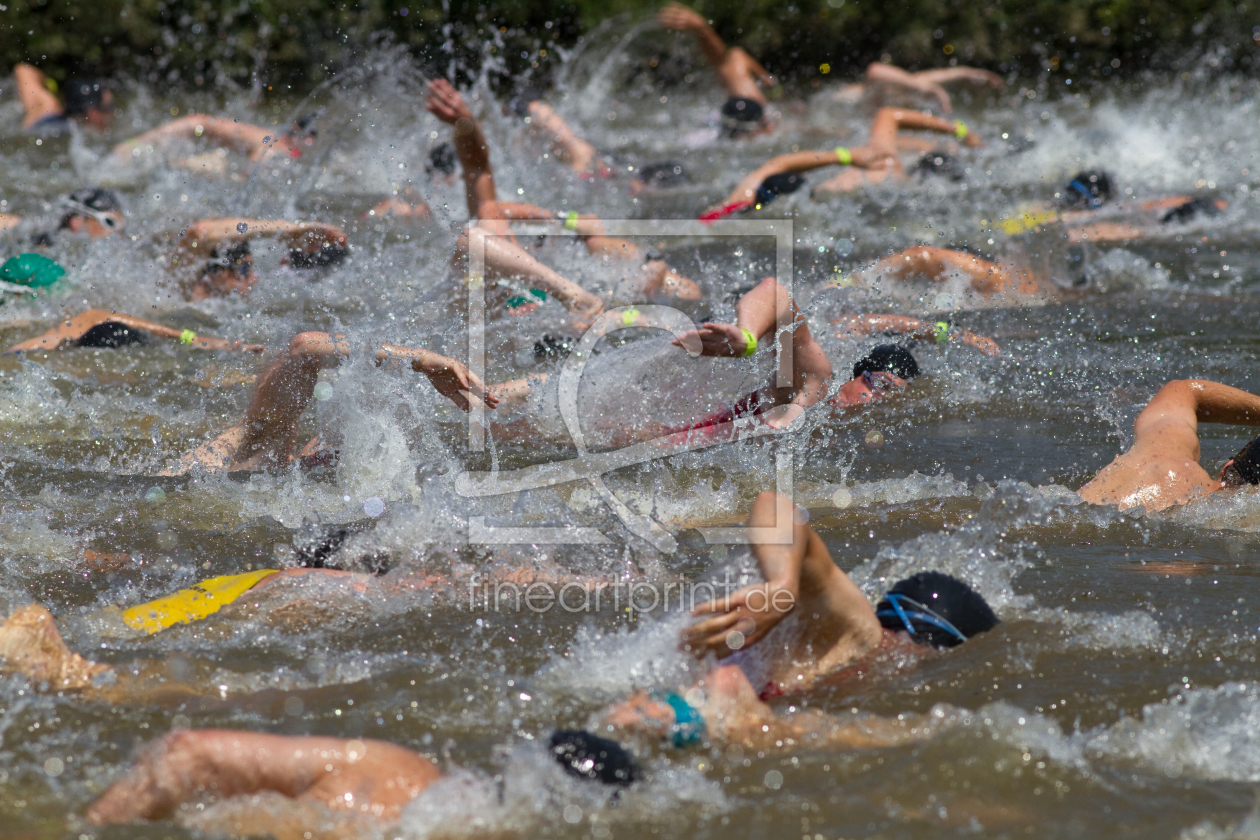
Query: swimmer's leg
(373, 776)
(31, 645)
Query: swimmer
(266, 438)
(936, 332)
(93, 211)
(835, 634)
(869, 164)
(403, 204)
(651, 177)
(364, 783)
(1161, 468)
(256, 142)
(884, 81)
(504, 257)
(213, 258)
(988, 282)
(101, 329)
(89, 101)
(565, 144)
(741, 76)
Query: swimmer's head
(90, 100)
(229, 269)
(785, 183)
(936, 610)
(661, 175)
(1243, 468)
(741, 116)
(92, 210)
(519, 104)
(1191, 208)
(1087, 190)
(442, 160)
(939, 164)
(591, 757)
(889, 358)
(302, 133)
(325, 256)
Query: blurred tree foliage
(301, 42)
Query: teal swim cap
(34, 270)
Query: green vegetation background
(302, 42)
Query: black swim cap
(939, 163)
(229, 258)
(111, 334)
(888, 357)
(943, 610)
(588, 756)
(81, 95)
(326, 255)
(785, 183)
(552, 349)
(740, 115)
(304, 126)
(442, 158)
(1188, 210)
(1246, 465)
(1089, 189)
(664, 174)
(82, 201)
(519, 104)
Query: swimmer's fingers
(690, 341)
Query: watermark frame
(591, 467)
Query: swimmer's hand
(453, 380)
(714, 340)
(445, 103)
(741, 619)
(678, 17)
(202, 342)
(973, 140)
(987, 346)
(781, 418)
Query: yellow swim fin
(197, 602)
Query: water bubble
(842, 498)
(293, 706)
(323, 391)
(844, 247)
(374, 506)
(774, 780)
(155, 495)
(944, 301)
(734, 640)
(572, 814)
(54, 767)
(874, 438)
(167, 540)
(181, 722)
(242, 227)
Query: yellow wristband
(960, 129)
(941, 331)
(571, 220)
(187, 336)
(751, 347)
(846, 158)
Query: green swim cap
(34, 270)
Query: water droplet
(374, 506)
(874, 439)
(155, 495)
(323, 391)
(294, 706)
(734, 640)
(180, 722)
(572, 814)
(944, 301)
(54, 767)
(842, 498)
(242, 227)
(774, 780)
(844, 247)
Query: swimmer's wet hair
(943, 610)
(939, 164)
(304, 126)
(664, 174)
(1089, 188)
(741, 115)
(326, 255)
(81, 95)
(111, 335)
(1187, 210)
(1246, 466)
(233, 257)
(442, 158)
(888, 357)
(596, 759)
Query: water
(1119, 697)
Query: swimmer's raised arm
(939, 331)
(449, 377)
(204, 235)
(445, 103)
(680, 18)
(745, 193)
(505, 258)
(364, 776)
(75, 328)
(565, 143)
(889, 121)
(37, 99)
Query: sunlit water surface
(1120, 696)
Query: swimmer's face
(98, 228)
(102, 116)
(238, 280)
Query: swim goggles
(916, 612)
(107, 219)
(688, 727)
(1092, 200)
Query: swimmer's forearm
(1218, 403)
